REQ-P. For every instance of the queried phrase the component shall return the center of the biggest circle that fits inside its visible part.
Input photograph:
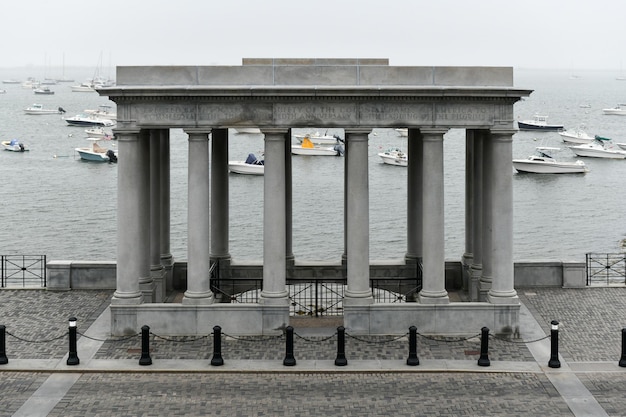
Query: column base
(279, 299)
(357, 298)
(431, 297)
(503, 297)
(128, 298)
(198, 298)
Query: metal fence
(316, 297)
(23, 271)
(606, 268)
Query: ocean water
(56, 205)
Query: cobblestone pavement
(590, 320)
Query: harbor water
(54, 204)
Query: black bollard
(341, 347)
(483, 360)
(3, 345)
(554, 361)
(217, 360)
(622, 360)
(72, 358)
(145, 346)
(289, 360)
(412, 360)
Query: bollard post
(145, 346)
(341, 347)
(3, 345)
(412, 360)
(483, 360)
(289, 360)
(622, 360)
(554, 361)
(217, 360)
(72, 358)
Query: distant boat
(251, 166)
(599, 148)
(10, 81)
(394, 156)
(14, 145)
(307, 148)
(39, 109)
(86, 120)
(43, 90)
(615, 111)
(576, 136)
(318, 139)
(538, 123)
(543, 163)
(96, 153)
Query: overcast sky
(568, 34)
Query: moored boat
(96, 153)
(318, 139)
(38, 109)
(394, 156)
(599, 148)
(543, 163)
(576, 136)
(307, 148)
(538, 122)
(88, 120)
(99, 132)
(615, 111)
(43, 91)
(251, 166)
(14, 145)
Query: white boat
(96, 153)
(543, 163)
(538, 122)
(39, 109)
(615, 111)
(251, 166)
(576, 136)
(14, 145)
(599, 148)
(99, 132)
(622, 145)
(394, 156)
(103, 112)
(3, 91)
(10, 81)
(85, 87)
(248, 130)
(88, 120)
(307, 148)
(43, 91)
(318, 139)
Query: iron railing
(22, 271)
(606, 268)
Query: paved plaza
(253, 381)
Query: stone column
(358, 292)
(433, 233)
(502, 290)
(167, 260)
(468, 255)
(132, 236)
(414, 196)
(476, 266)
(157, 272)
(198, 235)
(274, 220)
(219, 198)
(146, 284)
(288, 200)
(486, 274)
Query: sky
(564, 34)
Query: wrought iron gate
(606, 268)
(23, 271)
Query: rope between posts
(253, 338)
(519, 342)
(306, 339)
(36, 341)
(377, 342)
(460, 339)
(168, 339)
(108, 340)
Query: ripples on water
(54, 204)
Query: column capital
(126, 134)
(433, 131)
(274, 130)
(358, 131)
(502, 133)
(197, 132)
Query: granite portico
(277, 95)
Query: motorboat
(251, 166)
(96, 153)
(576, 136)
(394, 156)
(99, 132)
(85, 87)
(10, 81)
(88, 120)
(103, 112)
(538, 122)
(39, 109)
(43, 91)
(14, 145)
(599, 148)
(307, 148)
(248, 130)
(318, 139)
(622, 145)
(402, 131)
(615, 111)
(543, 163)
